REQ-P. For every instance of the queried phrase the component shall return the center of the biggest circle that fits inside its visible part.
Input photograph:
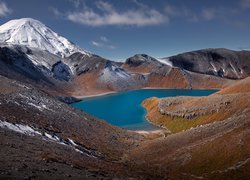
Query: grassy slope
(242, 86)
(238, 102)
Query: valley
(44, 136)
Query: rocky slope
(141, 64)
(42, 137)
(163, 73)
(219, 62)
(69, 76)
(95, 75)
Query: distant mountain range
(32, 52)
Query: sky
(118, 29)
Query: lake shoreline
(95, 95)
(182, 88)
(126, 109)
(145, 88)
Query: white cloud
(102, 45)
(4, 9)
(103, 42)
(103, 13)
(108, 15)
(97, 44)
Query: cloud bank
(4, 9)
(102, 13)
(108, 15)
(103, 42)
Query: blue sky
(118, 29)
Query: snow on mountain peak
(33, 33)
(165, 61)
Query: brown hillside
(242, 86)
(181, 113)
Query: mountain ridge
(33, 33)
(78, 73)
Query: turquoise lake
(125, 110)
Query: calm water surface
(125, 110)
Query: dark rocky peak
(218, 62)
(139, 59)
(61, 71)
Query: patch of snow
(23, 96)
(33, 33)
(114, 73)
(235, 71)
(165, 61)
(52, 137)
(27, 130)
(233, 68)
(40, 61)
(23, 86)
(24, 129)
(214, 67)
(45, 107)
(17, 103)
(122, 74)
(142, 59)
(77, 150)
(48, 136)
(72, 142)
(38, 107)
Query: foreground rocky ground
(42, 138)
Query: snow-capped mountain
(32, 33)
